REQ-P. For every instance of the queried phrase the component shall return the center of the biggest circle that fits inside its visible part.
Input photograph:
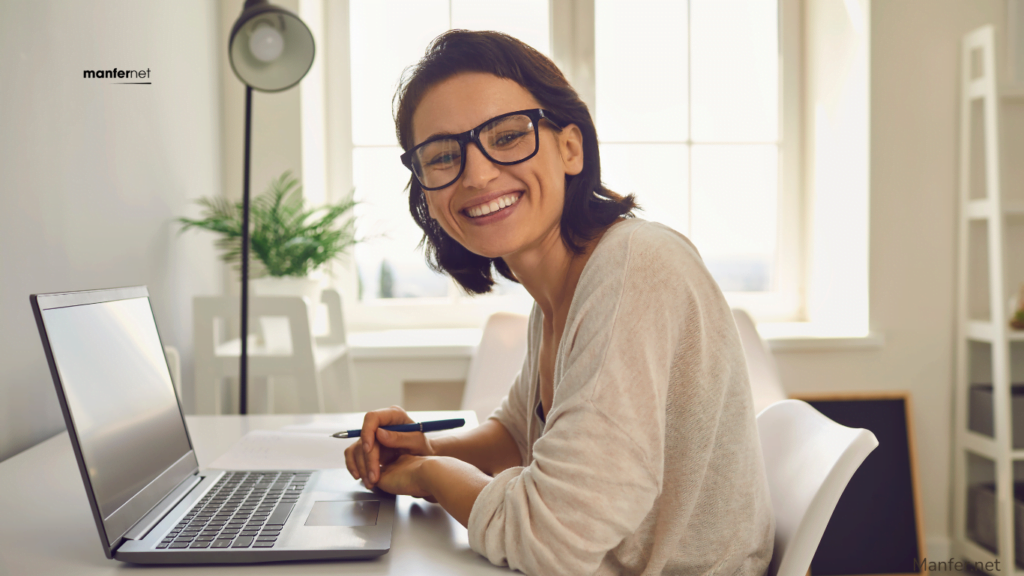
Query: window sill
(439, 343)
(417, 343)
(807, 337)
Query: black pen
(432, 426)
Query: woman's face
(535, 187)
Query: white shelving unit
(990, 267)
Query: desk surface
(46, 526)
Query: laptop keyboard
(243, 510)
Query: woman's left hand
(405, 476)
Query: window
(386, 37)
(687, 107)
(686, 98)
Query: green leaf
(286, 238)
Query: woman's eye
(443, 160)
(507, 138)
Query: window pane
(526, 20)
(656, 173)
(387, 36)
(735, 207)
(735, 70)
(390, 265)
(640, 70)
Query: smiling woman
(494, 84)
(627, 443)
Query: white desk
(46, 526)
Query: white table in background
(46, 526)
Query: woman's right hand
(376, 447)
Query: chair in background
(494, 366)
(295, 353)
(764, 375)
(174, 365)
(809, 459)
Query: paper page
(326, 427)
(271, 450)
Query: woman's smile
(486, 211)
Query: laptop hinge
(146, 523)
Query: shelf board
(979, 330)
(982, 331)
(982, 209)
(979, 444)
(978, 209)
(977, 553)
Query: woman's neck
(550, 272)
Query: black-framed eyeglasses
(507, 139)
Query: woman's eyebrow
(434, 136)
(439, 134)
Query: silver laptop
(151, 502)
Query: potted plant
(289, 242)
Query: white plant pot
(276, 334)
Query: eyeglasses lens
(507, 140)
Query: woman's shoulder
(636, 246)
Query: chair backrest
(498, 359)
(298, 338)
(809, 459)
(174, 365)
(765, 384)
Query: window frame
(572, 49)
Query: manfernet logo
(115, 73)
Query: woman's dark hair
(589, 206)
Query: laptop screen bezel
(113, 528)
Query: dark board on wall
(876, 527)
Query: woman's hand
(405, 476)
(377, 447)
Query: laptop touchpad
(347, 513)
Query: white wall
(94, 174)
(914, 91)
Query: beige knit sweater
(649, 460)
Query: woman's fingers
(371, 422)
(414, 442)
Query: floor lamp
(270, 50)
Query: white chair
(494, 366)
(174, 365)
(765, 384)
(809, 459)
(296, 354)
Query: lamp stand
(243, 365)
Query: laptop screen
(120, 396)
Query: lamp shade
(270, 48)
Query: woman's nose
(479, 170)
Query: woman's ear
(570, 145)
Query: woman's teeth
(493, 205)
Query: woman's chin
(490, 252)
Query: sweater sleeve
(597, 469)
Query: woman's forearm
(488, 447)
(455, 485)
